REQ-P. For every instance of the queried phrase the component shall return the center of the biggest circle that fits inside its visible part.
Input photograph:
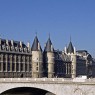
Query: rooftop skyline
(21, 19)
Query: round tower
(71, 51)
(73, 59)
(49, 56)
(37, 59)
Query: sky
(62, 19)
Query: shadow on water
(26, 91)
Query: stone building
(19, 60)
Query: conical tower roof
(70, 48)
(36, 45)
(49, 47)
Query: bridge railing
(46, 80)
(51, 80)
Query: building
(19, 60)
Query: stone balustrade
(48, 80)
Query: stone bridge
(57, 86)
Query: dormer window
(7, 48)
(16, 48)
(27, 50)
(3, 47)
(20, 49)
(11, 47)
(24, 49)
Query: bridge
(47, 86)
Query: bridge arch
(10, 86)
(26, 91)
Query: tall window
(30, 59)
(8, 66)
(30, 67)
(21, 66)
(0, 57)
(13, 66)
(17, 66)
(26, 67)
(17, 59)
(0, 66)
(4, 58)
(4, 66)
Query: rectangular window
(21, 66)
(0, 66)
(13, 66)
(17, 66)
(4, 58)
(30, 59)
(26, 67)
(0, 57)
(30, 67)
(4, 66)
(8, 67)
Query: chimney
(7, 42)
(65, 50)
(12, 42)
(51, 48)
(20, 44)
(28, 44)
(38, 46)
(74, 50)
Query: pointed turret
(71, 51)
(36, 45)
(49, 56)
(37, 59)
(70, 48)
(49, 47)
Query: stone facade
(20, 60)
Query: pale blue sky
(20, 19)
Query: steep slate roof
(80, 51)
(70, 48)
(49, 47)
(35, 46)
(15, 43)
